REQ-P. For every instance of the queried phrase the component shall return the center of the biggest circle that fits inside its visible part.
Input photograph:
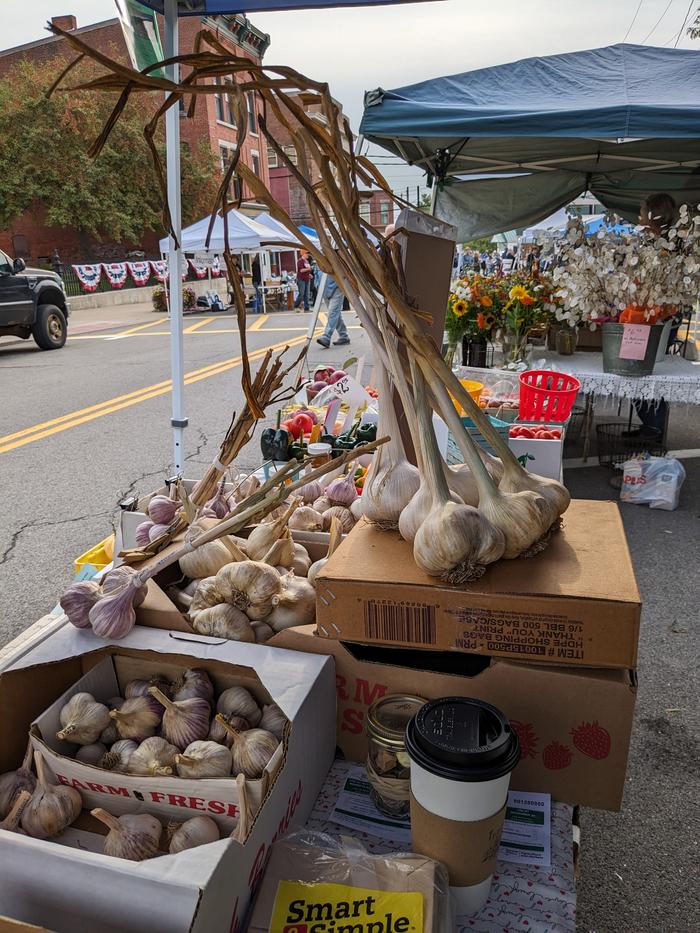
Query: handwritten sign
(635, 338)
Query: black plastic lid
(463, 740)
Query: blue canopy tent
(621, 121)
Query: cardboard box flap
(579, 562)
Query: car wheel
(50, 330)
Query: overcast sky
(357, 49)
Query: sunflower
(520, 293)
(460, 307)
(486, 301)
(485, 321)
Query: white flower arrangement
(598, 276)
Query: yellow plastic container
(474, 389)
(98, 556)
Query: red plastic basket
(546, 395)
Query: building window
(384, 208)
(224, 103)
(252, 113)
(291, 154)
(272, 160)
(366, 211)
(255, 162)
(226, 151)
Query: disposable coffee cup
(462, 754)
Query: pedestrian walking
(336, 302)
(304, 276)
(257, 285)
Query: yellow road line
(134, 330)
(257, 325)
(195, 327)
(72, 419)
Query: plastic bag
(288, 898)
(655, 481)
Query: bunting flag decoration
(216, 267)
(198, 268)
(160, 269)
(88, 276)
(116, 272)
(140, 272)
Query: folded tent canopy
(622, 122)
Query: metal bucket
(612, 340)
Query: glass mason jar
(566, 340)
(388, 766)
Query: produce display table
(523, 897)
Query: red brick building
(30, 237)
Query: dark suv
(32, 304)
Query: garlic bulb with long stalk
(198, 831)
(154, 756)
(295, 605)
(237, 701)
(217, 733)
(391, 480)
(311, 492)
(336, 536)
(138, 718)
(224, 621)
(205, 560)
(52, 808)
(82, 719)
(248, 583)
(344, 516)
(115, 579)
(184, 721)
(142, 533)
(219, 503)
(117, 758)
(282, 551)
(306, 518)
(11, 822)
(133, 836)
(114, 616)
(139, 688)
(246, 487)
(162, 509)
(205, 596)
(78, 600)
(273, 720)
(455, 542)
(193, 682)
(263, 536)
(91, 754)
(12, 783)
(203, 759)
(156, 531)
(342, 490)
(251, 751)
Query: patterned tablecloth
(539, 900)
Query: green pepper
(297, 451)
(274, 444)
(328, 439)
(345, 442)
(367, 433)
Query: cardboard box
(63, 885)
(575, 603)
(544, 457)
(574, 723)
(16, 926)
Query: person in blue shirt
(335, 300)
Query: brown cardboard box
(574, 724)
(575, 603)
(8, 925)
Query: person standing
(304, 276)
(257, 284)
(336, 302)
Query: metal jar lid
(388, 717)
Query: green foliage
(160, 300)
(44, 160)
(482, 244)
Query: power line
(685, 20)
(634, 20)
(653, 28)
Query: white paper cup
(462, 754)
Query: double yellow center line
(75, 418)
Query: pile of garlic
(160, 728)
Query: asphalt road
(85, 426)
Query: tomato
(546, 435)
(526, 432)
(292, 427)
(303, 424)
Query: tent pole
(172, 148)
(262, 280)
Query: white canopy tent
(245, 234)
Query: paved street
(87, 425)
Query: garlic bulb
(142, 534)
(302, 561)
(82, 719)
(357, 509)
(12, 783)
(224, 621)
(295, 605)
(133, 836)
(282, 551)
(344, 516)
(342, 490)
(109, 735)
(115, 579)
(417, 511)
(11, 822)
(273, 720)
(156, 531)
(78, 600)
(91, 754)
(461, 483)
(262, 632)
(153, 756)
(52, 808)
(113, 615)
(117, 758)
(250, 751)
(237, 701)
(203, 759)
(336, 536)
(138, 718)
(193, 682)
(204, 561)
(184, 721)
(162, 509)
(306, 519)
(248, 583)
(246, 487)
(139, 688)
(263, 536)
(217, 732)
(219, 504)
(310, 492)
(322, 503)
(198, 831)
(205, 596)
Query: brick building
(30, 237)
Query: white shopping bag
(652, 481)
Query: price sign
(635, 338)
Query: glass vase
(514, 346)
(566, 340)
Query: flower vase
(474, 352)
(566, 340)
(514, 346)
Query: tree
(44, 160)
(425, 204)
(482, 244)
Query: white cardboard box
(543, 457)
(203, 890)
